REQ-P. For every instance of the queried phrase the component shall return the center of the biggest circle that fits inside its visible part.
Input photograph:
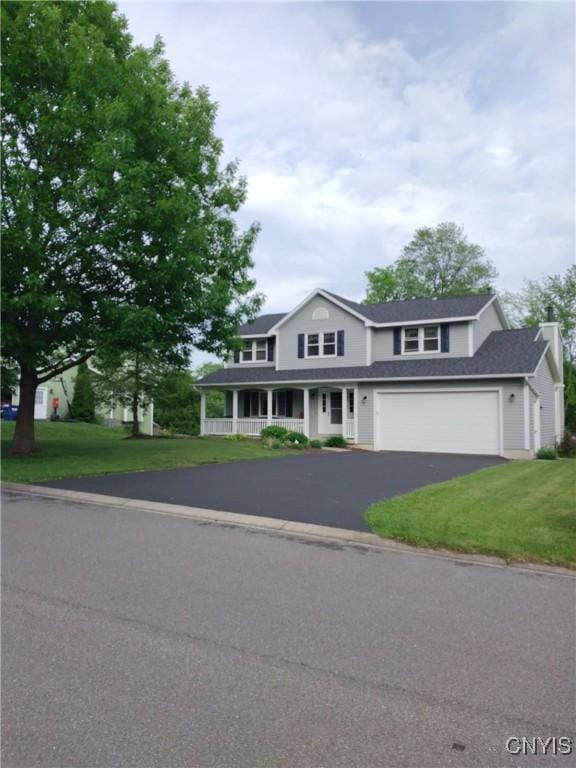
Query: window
(424, 339)
(321, 313)
(255, 404)
(351, 402)
(313, 345)
(282, 403)
(321, 344)
(254, 350)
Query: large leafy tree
(438, 261)
(530, 307)
(115, 202)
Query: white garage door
(438, 422)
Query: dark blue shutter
(271, 349)
(236, 356)
(300, 345)
(397, 341)
(444, 338)
(340, 344)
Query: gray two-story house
(434, 375)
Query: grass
(524, 511)
(71, 450)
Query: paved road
(134, 639)
(326, 489)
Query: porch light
(364, 399)
(511, 397)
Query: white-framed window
(320, 313)
(421, 339)
(255, 350)
(322, 344)
(351, 402)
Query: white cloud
(350, 139)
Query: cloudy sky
(356, 123)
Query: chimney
(551, 332)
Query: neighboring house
(61, 388)
(435, 375)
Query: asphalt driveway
(326, 489)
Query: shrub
(547, 453)
(296, 439)
(336, 441)
(83, 401)
(237, 436)
(278, 433)
(567, 446)
(315, 443)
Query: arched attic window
(321, 313)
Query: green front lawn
(524, 510)
(69, 450)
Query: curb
(306, 530)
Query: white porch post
(344, 410)
(234, 410)
(202, 411)
(269, 407)
(356, 414)
(306, 392)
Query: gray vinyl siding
(302, 322)
(543, 383)
(253, 363)
(383, 344)
(512, 410)
(488, 321)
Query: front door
(329, 412)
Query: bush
(83, 400)
(296, 439)
(336, 441)
(315, 443)
(547, 453)
(567, 446)
(237, 436)
(278, 433)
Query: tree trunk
(135, 424)
(23, 442)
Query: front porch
(318, 412)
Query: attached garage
(438, 421)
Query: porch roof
(504, 353)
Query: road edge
(307, 530)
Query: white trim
(328, 297)
(420, 350)
(321, 344)
(526, 416)
(269, 405)
(368, 380)
(417, 390)
(247, 336)
(470, 340)
(537, 420)
(425, 321)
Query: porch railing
(251, 427)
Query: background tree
(114, 200)
(437, 262)
(177, 400)
(83, 400)
(129, 378)
(529, 307)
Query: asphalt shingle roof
(513, 352)
(418, 309)
(262, 324)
